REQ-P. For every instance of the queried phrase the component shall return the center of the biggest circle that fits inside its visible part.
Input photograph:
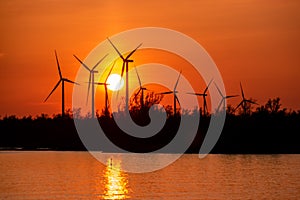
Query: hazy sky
(256, 42)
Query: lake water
(77, 175)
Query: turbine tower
(91, 80)
(140, 90)
(105, 84)
(62, 80)
(222, 102)
(244, 101)
(204, 95)
(174, 93)
(125, 67)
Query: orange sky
(254, 42)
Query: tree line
(267, 129)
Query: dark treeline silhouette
(267, 129)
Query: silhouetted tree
(139, 111)
(230, 110)
(77, 113)
(273, 105)
(149, 100)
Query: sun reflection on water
(116, 183)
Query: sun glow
(115, 82)
(116, 182)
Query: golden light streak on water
(116, 182)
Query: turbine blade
(57, 84)
(133, 51)
(197, 94)
(219, 90)
(123, 67)
(242, 91)
(231, 96)
(138, 76)
(218, 109)
(208, 86)
(251, 101)
(137, 93)
(110, 71)
(239, 105)
(205, 103)
(67, 80)
(177, 80)
(101, 84)
(177, 99)
(99, 62)
(191, 93)
(116, 49)
(59, 71)
(170, 92)
(82, 63)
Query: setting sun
(115, 81)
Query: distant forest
(268, 129)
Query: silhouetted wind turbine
(244, 101)
(91, 80)
(204, 97)
(62, 81)
(140, 90)
(105, 84)
(125, 67)
(174, 93)
(223, 98)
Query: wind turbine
(105, 84)
(125, 67)
(62, 80)
(204, 95)
(244, 101)
(174, 93)
(91, 80)
(223, 98)
(140, 90)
